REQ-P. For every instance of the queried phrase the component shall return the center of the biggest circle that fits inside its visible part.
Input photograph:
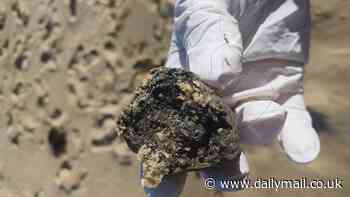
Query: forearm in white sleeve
(206, 41)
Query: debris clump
(176, 123)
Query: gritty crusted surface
(176, 123)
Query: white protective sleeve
(206, 40)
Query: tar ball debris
(176, 123)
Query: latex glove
(280, 30)
(275, 108)
(207, 42)
(255, 99)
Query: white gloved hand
(267, 98)
(276, 108)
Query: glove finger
(298, 138)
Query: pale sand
(66, 70)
